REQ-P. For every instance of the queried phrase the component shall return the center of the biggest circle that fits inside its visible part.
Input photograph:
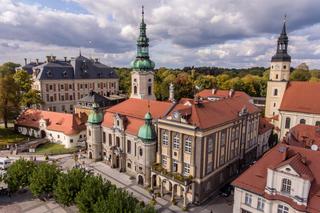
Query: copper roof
(301, 96)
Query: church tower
(279, 75)
(142, 76)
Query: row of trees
(90, 193)
(15, 91)
(189, 81)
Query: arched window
(317, 123)
(287, 125)
(286, 185)
(275, 92)
(135, 89)
(302, 121)
(149, 90)
(277, 76)
(140, 152)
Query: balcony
(177, 177)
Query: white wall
(295, 117)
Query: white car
(4, 163)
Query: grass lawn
(54, 149)
(9, 136)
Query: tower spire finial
(142, 13)
(285, 18)
(79, 51)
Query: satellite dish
(314, 147)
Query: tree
(9, 93)
(300, 75)
(120, 201)
(18, 174)
(28, 96)
(68, 185)
(93, 187)
(43, 179)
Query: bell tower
(279, 75)
(142, 75)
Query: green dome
(147, 132)
(143, 64)
(95, 117)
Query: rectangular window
(164, 160)
(260, 205)
(209, 167)
(176, 140)
(110, 140)
(186, 169)
(165, 137)
(210, 144)
(248, 199)
(71, 140)
(283, 209)
(104, 137)
(175, 165)
(187, 144)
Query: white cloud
(182, 33)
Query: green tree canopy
(43, 179)
(18, 174)
(93, 188)
(300, 75)
(68, 185)
(9, 93)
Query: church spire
(282, 46)
(142, 61)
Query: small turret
(95, 117)
(147, 132)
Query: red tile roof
(134, 111)
(254, 179)
(67, 123)
(301, 96)
(208, 114)
(303, 135)
(264, 126)
(221, 93)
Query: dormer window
(118, 123)
(65, 73)
(49, 74)
(286, 186)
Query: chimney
(97, 60)
(231, 92)
(214, 90)
(48, 58)
(65, 59)
(25, 61)
(37, 60)
(53, 58)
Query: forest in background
(190, 80)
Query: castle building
(289, 103)
(286, 179)
(185, 149)
(62, 83)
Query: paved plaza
(25, 202)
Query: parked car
(226, 190)
(4, 163)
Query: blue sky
(227, 33)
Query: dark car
(226, 190)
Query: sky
(223, 33)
